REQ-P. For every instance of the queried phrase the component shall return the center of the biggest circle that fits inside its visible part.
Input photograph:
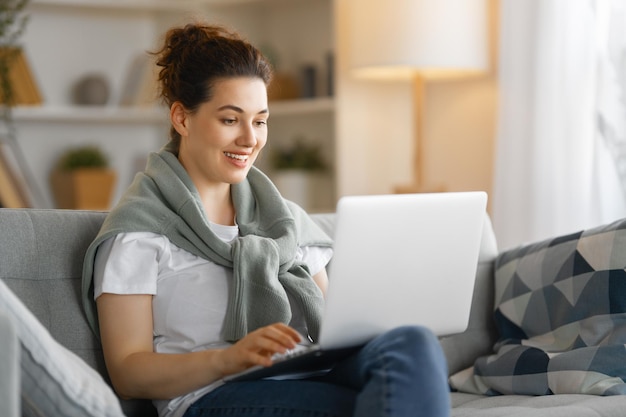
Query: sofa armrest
(9, 367)
(326, 221)
(462, 349)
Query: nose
(247, 137)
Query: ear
(178, 118)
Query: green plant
(12, 24)
(270, 54)
(300, 155)
(83, 157)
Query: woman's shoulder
(136, 236)
(132, 244)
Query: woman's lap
(276, 398)
(400, 373)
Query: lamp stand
(419, 184)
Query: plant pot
(305, 188)
(83, 189)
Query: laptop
(401, 259)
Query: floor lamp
(418, 40)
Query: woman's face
(221, 141)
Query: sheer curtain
(561, 145)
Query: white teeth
(235, 156)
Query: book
(25, 89)
(14, 189)
(140, 85)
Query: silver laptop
(403, 259)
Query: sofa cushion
(462, 349)
(561, 318)
(563, 405)
(42, 256)
(9, 366)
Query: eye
(229, 122)
(261, 123)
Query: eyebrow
(238, 109)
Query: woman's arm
(321, 279)
(136, 371)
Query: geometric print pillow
(560, 312)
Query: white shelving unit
(150, 115)
(68, 39)
(149, 5)
(89, 114)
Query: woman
(203, 270)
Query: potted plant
(82, 179)
(284, 85)
(12, 24)
(299, 156)
(298, 170)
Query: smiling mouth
(236, 156)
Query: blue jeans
(400, 373)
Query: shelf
(148, 115)
(91, 114)
(139, 5)
(103, 36)
(302, 106)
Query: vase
(83, 189)
(302, 187)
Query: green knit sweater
(164, 200)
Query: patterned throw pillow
(561, 316)
(54, 381)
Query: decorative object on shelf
(91, 90)
(21, 86)
(300, 155)
(15, 191)
(284, 86)
(17, 86)
(12, 25)
(298, 172)
(309, 81)
(82, 180)
(330, 74)
(140, 87)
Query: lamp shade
(396, 38)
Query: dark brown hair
(195, 56)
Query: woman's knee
(415, 334)
(414, 345)
(411, 337)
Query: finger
(236, 360)
(290, 331)
(259, 346)
(270, 340)
(283, 334)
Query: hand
(257, 348)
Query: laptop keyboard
(291, 353)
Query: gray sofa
(41, 255)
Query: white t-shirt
(190, 294)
